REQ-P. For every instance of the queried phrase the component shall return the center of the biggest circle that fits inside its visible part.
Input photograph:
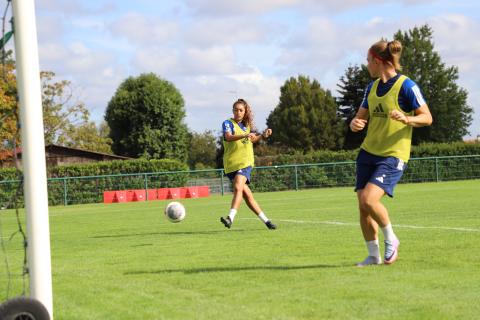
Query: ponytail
(388, 52)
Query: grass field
(126, 261)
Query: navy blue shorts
(244, 172)
(384, 172)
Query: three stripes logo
(379, 112)
(378, 108)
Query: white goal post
(33, 152)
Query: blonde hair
(388, 52)
(248, 117)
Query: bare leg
(253, 205)
(368, 225)
(238, 186)
(369, 200)
(372, 212)
(250, 200)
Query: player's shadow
(172, 233)
(235, 269)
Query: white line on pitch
(356, 224)
(439, 228)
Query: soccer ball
(175, 211)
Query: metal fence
(78, 190)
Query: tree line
(66, 121)
(145, 116)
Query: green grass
(126, 261)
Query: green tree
(352, 89)
(305, 117)
(202, 150)
(88, 136)
(446, 100)
(66, 122)
(61, 113)
(145, 117)
(8, 105)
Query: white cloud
(94, 74)
(324, 49)
(334, 6)
(221, 7)
(75, 7)
(214, 60)
(456, 40)
(254, 7)
(49, 28)
(88, 23)
(209, 99)
(144, 30)
(190, 61)
(77, 59)
(163, 61)
(220, 31)
(215, 51)
(50, 54)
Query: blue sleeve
(410, 97)
(364, 103)
(227, 126)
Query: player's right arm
(360, 120)
(234, 137)
(229, 134)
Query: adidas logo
(380, 178)
(379, 112)
(378, 109)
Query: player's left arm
(255, 137)
(415, 101)
(422, 117)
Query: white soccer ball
(175, 211)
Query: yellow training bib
(237, 154)
(387, 137)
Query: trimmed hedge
(445, 149)
(116, 167)
(86, 183)
(320, 156)
(76, 184)
(332, 172)
(327, 156)
(8, 174)
(266, 179)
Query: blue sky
(217, 50)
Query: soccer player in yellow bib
(392, 106)
(238, 160)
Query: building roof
(52, 148)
